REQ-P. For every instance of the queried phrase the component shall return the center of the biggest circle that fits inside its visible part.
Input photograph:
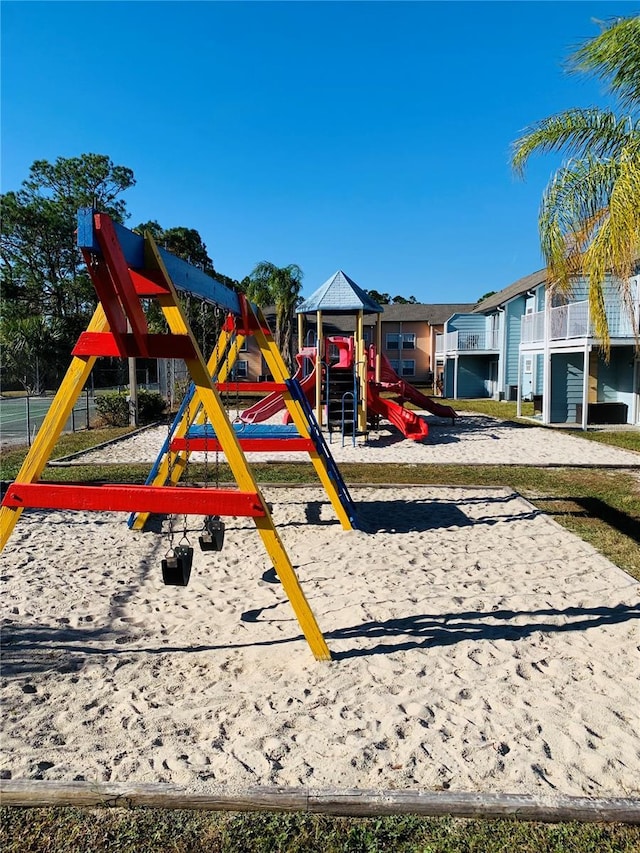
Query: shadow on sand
(28, 650)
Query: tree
(186, 243)
(380, 298)
(590, 212)
(279, 286)
(30, 351)
(42, 276)
(402, 300)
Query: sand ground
(476, 644)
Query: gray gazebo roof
(339, 293)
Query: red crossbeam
(249, 445)
(165, 500)
(157, 346)
(264, 387)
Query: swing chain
(170, 459)
(185, 537)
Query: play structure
(341, 399)
(127, 270)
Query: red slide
(428, 403)
(273, 403)
(408, 392)
(410, 425)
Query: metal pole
(86, 390)
(28, 421)
(133, 393)
(133, 389)
(319, 348)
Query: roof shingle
(339, 293)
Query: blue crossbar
(243, 430)
(184, 276)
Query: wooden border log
(347, 802)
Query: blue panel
(248, 431)
(513, 316)
(86, 237)
(192, 280)
(466, 323)
(185, 277)
(473, 376)
(566, 386)
(539, 373)
(615, 380)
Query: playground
(386, 637)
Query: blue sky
(368, 137)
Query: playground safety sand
(477, 645)
(472, 440)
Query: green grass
(504, 409)
(68, 830)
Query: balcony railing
(565, 322)
(532, 328)
(463, 341)
(569, 321)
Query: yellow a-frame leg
(53, 424)
(280, 373)
(173, 464)
(208, 396)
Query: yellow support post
(53, 424)
(216, 415)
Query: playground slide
(390, 377)
(410, 425)
(428, 403)
(273, 403)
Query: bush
(151, 406)
(113, 407)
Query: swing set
(126, 268)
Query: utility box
(604, 413)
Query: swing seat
(176, 570)
(212, 539)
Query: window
(245, 345)
(528, 365)
(401, 341)
(240, 369)
(406, 367)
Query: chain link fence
(22, 417)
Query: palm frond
(571, 211)
(577, 132)
(614, 56)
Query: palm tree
(278, 286)
(590, 212)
